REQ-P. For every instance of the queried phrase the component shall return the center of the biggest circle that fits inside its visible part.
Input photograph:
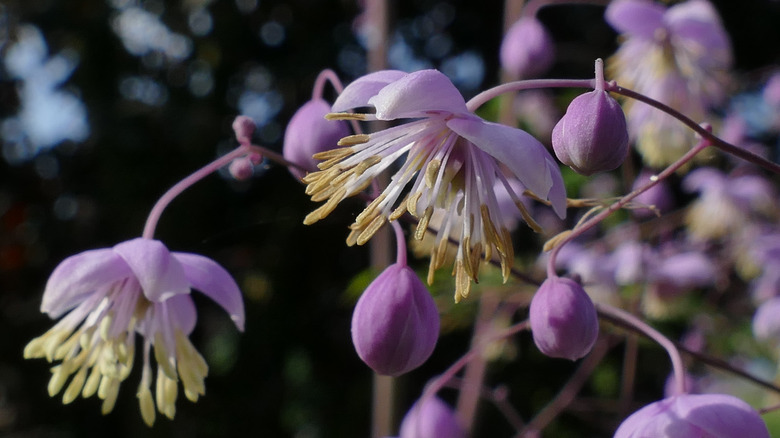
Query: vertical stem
(474, 375)
(383, 403)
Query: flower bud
(592, 136)
(431, 419)
(697, 415)
(309, 133)
(527, 49)
(243, 128)
(563, 319)
(395, 324)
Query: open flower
(107, 295)
(453, 161)
(699, 415)
(680, 56)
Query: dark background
(293, 372)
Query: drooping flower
(432, 418)
(527, 49)
(107, 296)
(697, 415)
(453, 160)
(563, 319)
(309, 133)
(592, 136)
(395, 324)
(679, 56)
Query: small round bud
(527, 49)
(433, 418)
(592, 136)
(395, 324)
(243, 127)
(695, 415)
(309, 133)
(563, 319)
(241, 168)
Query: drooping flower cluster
(108, 296)
(679, 56)
(453, 161)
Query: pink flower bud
(563, 319)
(395, 324)
(243, 127)
(431, 419)
(527, 49)
(699, 415)
(241, 168)
(592, 136)
(308, 133)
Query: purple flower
(453, 161)
(766, 321)
(433, 418)
(395, 324)
(563, 319)
(527, 49)
(659, 196)
(700, 415)
(107, 296)
(679, 56)
(308, 133)
(592, 136)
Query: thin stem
(530, 84)
(615, 314)
(400, 242)
(703, 132)
(181, 186)
(569, 391)
(590, 223)
(326, 75)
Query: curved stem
(590, 223)
(485, 96)
(400, 242)
(326, 75)
(703, 132)
(178, 188)
(614, 313)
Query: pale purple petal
(704, 179)
(357, 93)
(697, 22)
(215, 282)
(181, 313)
(766, 321)
(721, 416)
(518, 150)
(80, 275)
(557, 194)
(160, 275)
(417, 95)
(635, 17)
(688, 269)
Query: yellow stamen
(345, 116)
(352, 140)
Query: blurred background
(104, 104)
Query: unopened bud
(563, 319)
(309, 133)
(592, 136)
(433, 418)
(243, 127)
(527, 49)
(395, 324)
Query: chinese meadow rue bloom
(107, 295)
(309, 133)
(432, 418)
(395, 324)
(563, 319)
(453, 161)
(679, 56)
(695, 416)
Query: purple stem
(485, 96)
(674, 354)
(178, 188)
(326, 75)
